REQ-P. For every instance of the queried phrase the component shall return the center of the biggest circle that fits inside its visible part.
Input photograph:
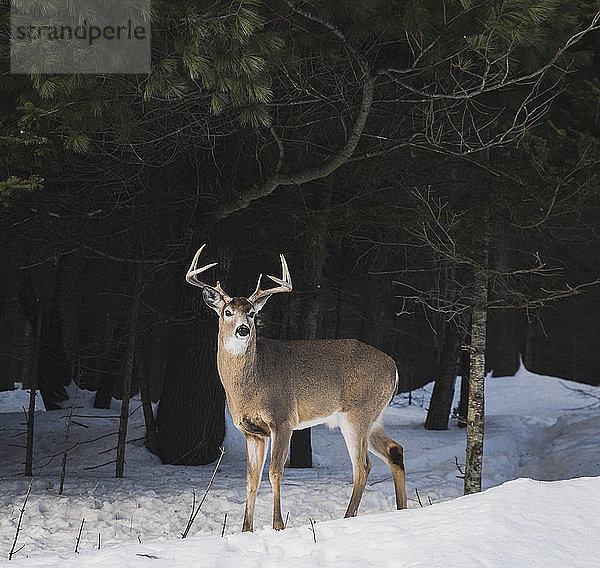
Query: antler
(192, 275)
(285, 283)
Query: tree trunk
(128, 368)
(440, 405)
(32, 392)
(476, 411)
(6, 337)
(53, 370)
(300, 445)
(151, 436)
(531, 346)
(502, 355)
(109, 357)
(375, 302)
(465, 373)
(191, 413)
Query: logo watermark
(90, 36)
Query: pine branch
(247, 196)
(344, 153)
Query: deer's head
(237, 325)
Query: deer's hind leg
(356, 439)
(392, 454)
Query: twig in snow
(196, 510)
(224, 524)
(462, 471)
(77, 444)
(585, 394)
(287, 516)
(418, 497)
(12, 550)
(79, 536)
(380, 480)
(99, 539)
(130, 441)
(101, 465)
(429, 499)
(312, 528)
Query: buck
(276, 386)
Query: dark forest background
(392, 150)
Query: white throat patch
(235, 345)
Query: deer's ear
(260, 303)
(213, 298)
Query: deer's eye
(251, 314)
(228, 313)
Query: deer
(276, 386)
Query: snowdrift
(519, 524)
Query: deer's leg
(256, 452)
(392, 454)
(280, 445)
(357, 444)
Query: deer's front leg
(256, 452)
(280, 445)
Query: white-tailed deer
(276, 386)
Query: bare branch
(486, 86)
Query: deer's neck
(236, 362)
(237, 370)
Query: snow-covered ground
(536, 427)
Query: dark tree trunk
(440, 405)
(151, 436)
(37, 346)
(54, 372)
(502, 355)
(191, 414)
(300, 445)
(301, 449)
(129, 357)
(104, 394)
(372, 327)
(6, 380)
(108, 360)
(532, 343)
(476, 411)
(339, 305)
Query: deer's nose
(242, 331)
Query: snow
(18, 400)
(536, 427)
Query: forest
(429, 169)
